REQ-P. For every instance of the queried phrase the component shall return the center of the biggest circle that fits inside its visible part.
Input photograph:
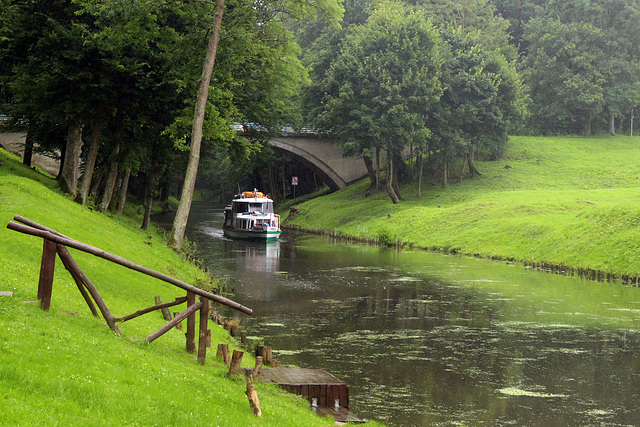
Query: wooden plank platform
(326, 393)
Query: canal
(426, 339)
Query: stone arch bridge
(321, 154)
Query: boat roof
(252, 196)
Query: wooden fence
(57, 243)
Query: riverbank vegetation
(570, 202)
(66, 367)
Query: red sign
(294, 180)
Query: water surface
(427, 339)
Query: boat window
(267, 207)
(255, 207)
(241, 207)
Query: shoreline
(542, 266)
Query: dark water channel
(426, 339)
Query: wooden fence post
(252, 394)
(47, 267)
(191, 324)
(257, 370)
(236, 360)
(204, 323)
(223, 353)
(166, 314)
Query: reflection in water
(426, 339)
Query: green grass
(568, 201)
(65, 367)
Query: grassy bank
(573, 202)
(65, 367)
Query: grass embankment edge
(569, 205)
(66, 367)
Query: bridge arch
(324, 156)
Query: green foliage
(579, 63)
(481, 101)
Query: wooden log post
(179, 325)
(204, 323)
(172, 323)
(223, 353)
(166, 314)
(236, 360)
(252, 395)
(233, 329)
(257, 370)
(47, 267)
(70, 264)
(266, 356)
(243, 337)
(191, 325)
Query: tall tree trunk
(28, 149)
(445, 173)
(111, 179)
(612, 124)
(398, 165)
(69, 172)
(122, 197)
(420, 159)
(587, 124)
(370, 171)
(92, 155)
(377, 168)
(148, 194)
(464, 166)
(472, 167)
(96, 184)
(390, 175)
(180, 221)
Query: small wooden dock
(326, 394)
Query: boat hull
(236, 233)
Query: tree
(581, 61)
(381, 88)
(268, 16)
(566, 74)
(180, 222)
(482, 97)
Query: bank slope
(573, 202)
(65, 367)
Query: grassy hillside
(65, 367)
(566, 201)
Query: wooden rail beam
(44, 233)
(70, 264)
(179, 318)
(178, 301)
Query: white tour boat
(250, 216)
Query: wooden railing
(57, 243)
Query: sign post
(294, 184)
